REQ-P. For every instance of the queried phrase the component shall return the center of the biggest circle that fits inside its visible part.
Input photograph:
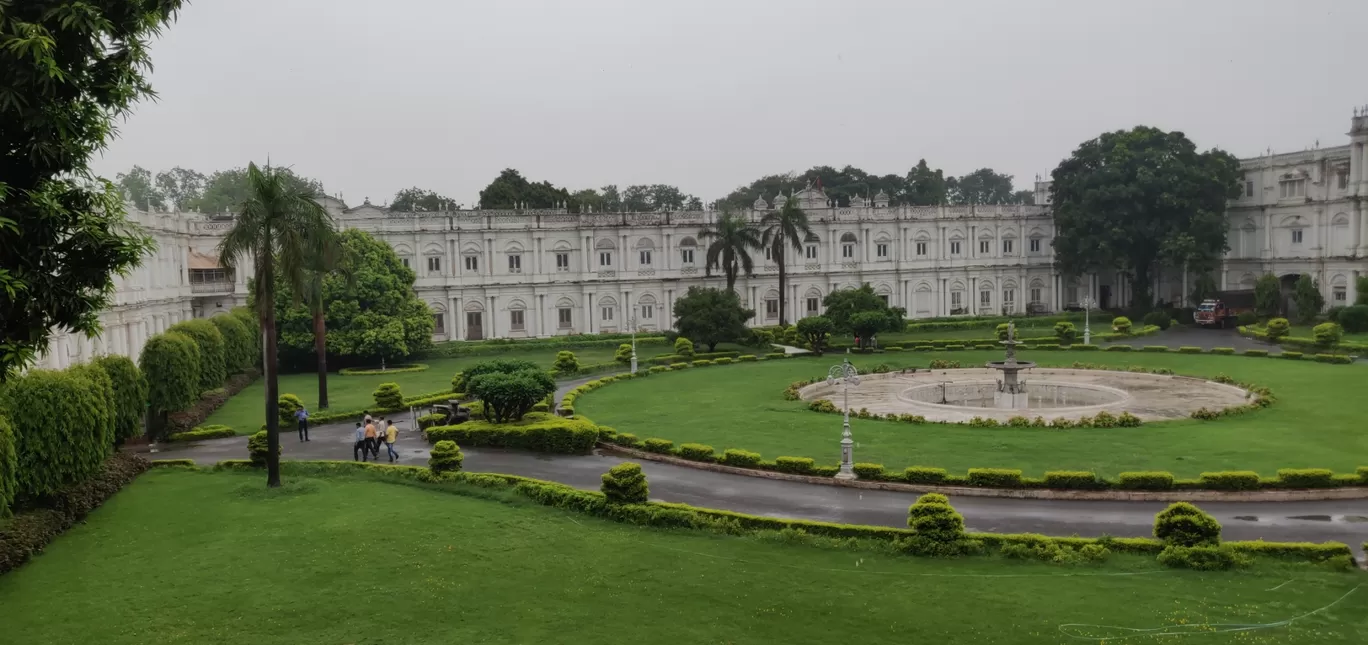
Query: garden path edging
(1281, 495)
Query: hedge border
(675, 515)
(1356, 483)
(1032, 488)
(375, 371)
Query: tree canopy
(375, 314)
(711, 316)
(919, 186)
(511, 189)
(860, 312)
(186, 189)
(419, 200)
(1131, 199)
(67, 71)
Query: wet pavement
(1341, 520)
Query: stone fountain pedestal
(1011, 394)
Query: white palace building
(534, 273)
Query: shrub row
(537, 432)
(391, 369)
(422, 400)
(200, 433)
(934, 517)
(28, 532)
(667, 359)
(451, 349)
(1102, 419)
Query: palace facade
(525, 273)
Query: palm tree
(328, 257)
(782, 228)
(276, 226)
(731, 239)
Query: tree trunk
(320, 330)
(1141, 289)
(272, 403)
(783, 290)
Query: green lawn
(245, 412)
(204, 558)
(1317, 421)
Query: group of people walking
(370, 434)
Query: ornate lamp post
(632, 321)
(1088, 303)
(845, 375)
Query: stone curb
(1282, 495)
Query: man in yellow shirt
(391, 435)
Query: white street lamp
(1088, 303)
(845, 375)
(632, 321)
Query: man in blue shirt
(359, 448)
(302, 418)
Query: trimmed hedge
(456, 348)
(1230, 480)
(697, 452)
(9, 466)
(795, 465)
(216, 431)
(60, 424)
(1073, 479)
(869, 471)
(1306, 477)
(207, 337)
(27, 533)
(393, 369)
(239, 348)
(662, 446)
(171, 364)
(741, 458)
(130, 395)
(537, 432)
(1152, 480)
(924, 475)
(995, 477)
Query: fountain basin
(961, 394)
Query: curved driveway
(1345, 521)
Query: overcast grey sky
(371, 97)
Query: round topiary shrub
(1002, 331)
(1185, 525)
(932, 517)
(1354, 319)
(388, 396)
(623, 353)
(288, 405)
(103, 415)
(566, 363)
(1277, 328)
(446, 457)
(1065, 331)
(212, 373)
(130, 395)
(1158, 319)
(625, 484)
(258, 447)
(683, 347)
(1121, 324)
(1327, 334)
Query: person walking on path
(391, 435)
(372, 441)
(302, 418)
(359, 446)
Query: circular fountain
(1001, 390)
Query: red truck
(1221, 311)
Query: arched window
(848, 242)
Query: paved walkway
(1346, 521)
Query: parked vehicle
(1221, 311)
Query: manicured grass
(1317, 421)
(204, 558)
(1307, 331)
(245, 412)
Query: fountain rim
(1004, 365)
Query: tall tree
(925, 187)
(67, 70)
(225, 190)
(711, 316)
(730, 241)
(326, 256)
(140, 188)
(983, 186)
(643, 198)
(511, 189)
(276, 226)
(782, 229)
(1024, 197)
(419, 200)
(181, 187)
(1128, 198)
(862, 312)
(368, 306)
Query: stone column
(589, 313)
(491, 321)
(454, 315)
